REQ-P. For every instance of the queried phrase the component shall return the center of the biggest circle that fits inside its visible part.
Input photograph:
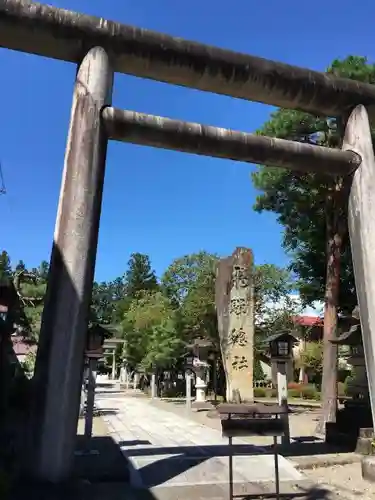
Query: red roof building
(313, 324)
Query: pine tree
(139, 276)
(43, 270)
(5, 267)
(21, 266)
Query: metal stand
(230, 470)
(276, 461)
(277, 477)
(230, 453)
(257, 420)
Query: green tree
(150, 333)
(258, 372)
(102, 303)
(5, 266)
(139, 276)
(43, 270)
(313, 210)
(274, 304)
(31, 290)
(189, 282)
(311, 358)
(21, 266)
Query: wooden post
(361, 219)
(282, 396)
(58, 371)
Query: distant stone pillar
(200, 385)
(59, 363)
(113, 364)
(154, 386)
(235, 310)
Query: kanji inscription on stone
(238, 337)
(240, 278)
(238, 306)
(235, 313)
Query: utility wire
(2, 182)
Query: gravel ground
(344, 480)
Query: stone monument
(235, 313)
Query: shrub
(258, 372)
(259, 392)
(309, 392)
(295, 393)
(172, 392)
(301, 391)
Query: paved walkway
(167, 450)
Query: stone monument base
(368, 468)
(353, 427)
(364, 442)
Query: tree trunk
(335, 233)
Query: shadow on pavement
(106, 463)
(106, 467)
(181, 459)
(209, 451)
(302, 448)
(204, 451)
(105, 476)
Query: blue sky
(162, 203)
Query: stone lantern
(94, 341)
(280, 346)
(354, 421)
(281, 351)
(93, 352)
(199, 350)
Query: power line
(2, 182)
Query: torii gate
(101, 48)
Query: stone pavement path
(166, 449)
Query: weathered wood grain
(58, 372)
(362, 233)
(188, 137)
(66, 35)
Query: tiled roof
(308, 320)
